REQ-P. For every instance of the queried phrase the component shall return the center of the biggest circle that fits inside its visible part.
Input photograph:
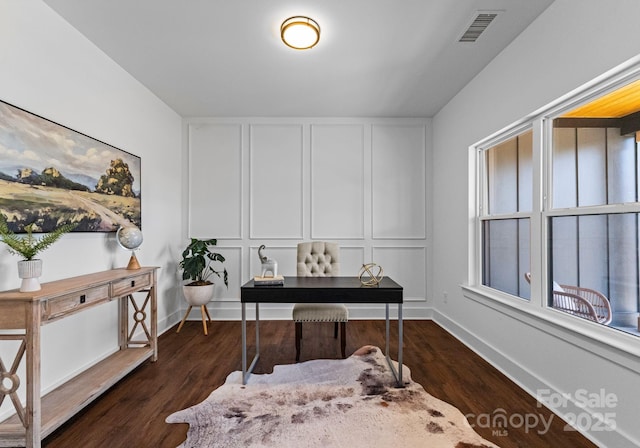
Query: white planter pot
(198, 295)
(29, 271)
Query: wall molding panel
(351, 259)
(215, 180)
(398, 171)
(402, 263)
(337, 181)
(275, 178)
(233, 263)
(357, 181)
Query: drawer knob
(133, 283)
(83, 298)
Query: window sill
(611, 344)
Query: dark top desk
(319, 290)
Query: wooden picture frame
(51, 175)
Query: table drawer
(59, 306)
(131, 284)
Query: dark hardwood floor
(191, 365)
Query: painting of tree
(51, 175)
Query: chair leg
(183, 320)
(343, 338)
(298, 337)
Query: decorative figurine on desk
(268, 264)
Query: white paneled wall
(215, 180)
(362, 183)
(275, 181)
(398, 181)
(337, 181)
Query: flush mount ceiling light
(300, 32)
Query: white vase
(29, 271)
(198, 295)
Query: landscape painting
(51, 175)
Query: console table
(26, 312)
(321, 289)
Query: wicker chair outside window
(582, 302)
(319, 259)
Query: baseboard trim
(571, 411)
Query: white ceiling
(214, 58)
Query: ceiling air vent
(479, 23)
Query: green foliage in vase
(28, 246)
(196, 262)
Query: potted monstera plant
(197, 266)
(28, 246)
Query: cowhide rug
(346, 403)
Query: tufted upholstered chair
(319, 259)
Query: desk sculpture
(268, 264)
(368, 277)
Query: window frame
(483, 193)
(535, 311)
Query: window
(593, 236)
(585, 242)
(505, 223)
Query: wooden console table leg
(33, 417)
(154, 317)
(123, 317)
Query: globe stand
(133, 262)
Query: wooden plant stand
(206, 317)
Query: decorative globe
(129, 237)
